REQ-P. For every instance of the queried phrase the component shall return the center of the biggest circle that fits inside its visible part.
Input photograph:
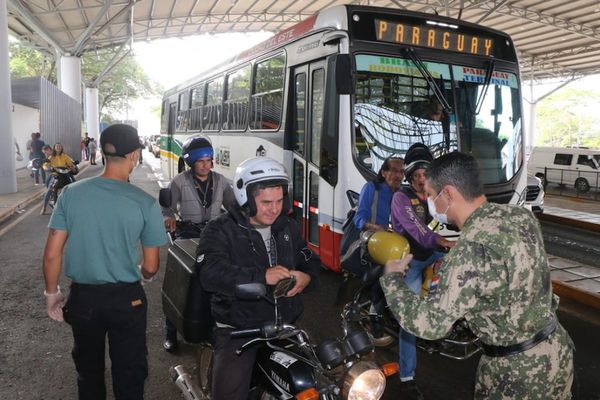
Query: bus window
(317, 103)
(490, 122)
(300, 99)
(182, 114)
(236, 105)
(395, 107)
(211, 115)
(164, 116)
(267, 93)
(196, 103)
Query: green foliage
(569, 117)
(122, 84)
(27, 62)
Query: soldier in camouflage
(497, 278)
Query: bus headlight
(364, 381)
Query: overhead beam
(528, 14)
(117, 57)
(17, 7)
(88, 32)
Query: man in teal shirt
(105, 219)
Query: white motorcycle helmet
(255, 171)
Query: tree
(123, 83)
(27, 62)
(569, 118)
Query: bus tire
(582, 185)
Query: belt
(503, 351)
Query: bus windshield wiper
(486, 84)
(439, 94)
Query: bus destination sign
(435, 37)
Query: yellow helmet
(384, 246)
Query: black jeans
(231, 373)
(119, 311)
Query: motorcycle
(289, 366)
(460, 344)
(287, 363)
(61, 177)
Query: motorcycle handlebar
(246, 333)
(266, 332)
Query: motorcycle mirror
(164, 197)
(284, 286)
(250, 291)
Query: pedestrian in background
(497, 277)
(93, 148)
(37, 157)
(106, 296)
(85, 143)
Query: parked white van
(579, 167)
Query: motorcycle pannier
(184, 301)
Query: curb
(567, 291)
(589, 226)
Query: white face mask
(441, 217)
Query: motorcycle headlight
(364, 381)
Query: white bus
(334, 95)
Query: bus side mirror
(344, 80)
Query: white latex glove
(54, 305)
(144, 281)
(398, 266)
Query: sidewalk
(27, 193)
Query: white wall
(25, 120)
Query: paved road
(35, 360)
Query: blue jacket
(365, 201)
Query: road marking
(15, 222)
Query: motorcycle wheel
(204, 364)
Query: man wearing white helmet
(254, 242)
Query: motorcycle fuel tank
(283, 372)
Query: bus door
(309, 191)
(167, 144)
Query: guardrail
(579, 184)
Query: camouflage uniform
(497, 278)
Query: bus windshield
(395, 107)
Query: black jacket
(231, 252)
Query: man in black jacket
(254, 242)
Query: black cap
(119, 140)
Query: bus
(334, 95)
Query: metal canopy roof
(560, 38)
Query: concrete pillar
(70, 76)
(92, 116)
(8, 175)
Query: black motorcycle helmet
(418, 156)
(195, 148)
